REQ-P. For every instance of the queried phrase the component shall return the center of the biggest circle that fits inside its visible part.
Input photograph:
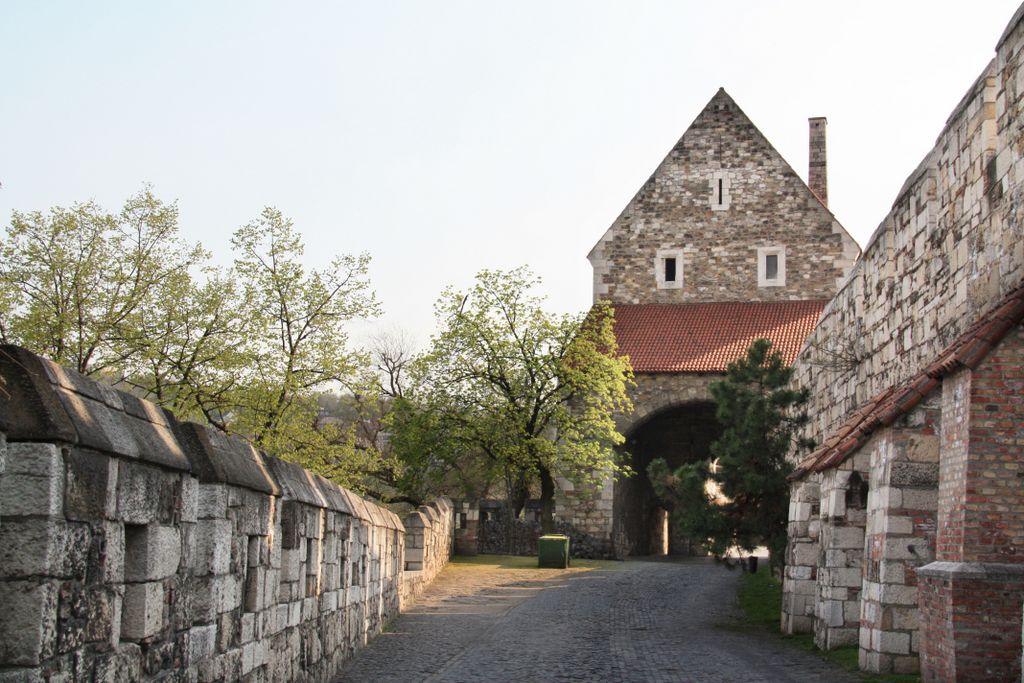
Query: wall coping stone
(971, 570)
(94, 415)
(334, 499)
(296, 482)
(221, 459)
(29, 409)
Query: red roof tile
(707, 337)
(886, 407)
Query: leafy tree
(760, 415)
(73, 280)
(247, 349)
(531, 393)
(299, 345)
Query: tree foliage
(521, 394)
(760, 415)
(247, 349)
(74, 280)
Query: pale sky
(447, 137)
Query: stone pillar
(467, 527)
(841, 554)
(817, 176)
(971, 597)
(900, 538)
(799, 582)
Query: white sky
(446, 137)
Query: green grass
(527, 562)
(760, 599)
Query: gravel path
(640, 621)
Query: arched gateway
(722, 245)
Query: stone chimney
(817, 177)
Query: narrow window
(670, 270)
(771, 266)
(719, 191)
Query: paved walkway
(641, 621)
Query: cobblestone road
(642, 621)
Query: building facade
(723, 244)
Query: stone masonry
(764, 204)
(723, 218)
(916, 372)
(137, 547)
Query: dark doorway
(680, 435)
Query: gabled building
(723, 244)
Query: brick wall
(134, 546)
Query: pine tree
(760, 414)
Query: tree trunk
(547, 501)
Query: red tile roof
(707, 337)
(883, 409)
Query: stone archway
(680, 434)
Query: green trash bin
(553, 551)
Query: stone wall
(590, 513)
(429, 542)
(971, 595)
(951, 247)
(137, 547)
(942, 460)
(840, 554)
(715, 239)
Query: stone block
(905, 618)
(848, 537)
(145, 494)
(898, 526)
(892, 572)
(914, 474)
(37, 546)
(142, 614)
(100, 610)
(849, 577)
(22, 495)
(34, 460)
(189, 499)
(213, 546)
(894, 643)
(152, 552)
(111, 557)
(901, 548)
(892, 594)
(255, 589)
(201, 643)
(252, 513)
(215, 595)
(28, 629)
(212, 501)
(291, 564)
(920, 499)
(91, 490)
